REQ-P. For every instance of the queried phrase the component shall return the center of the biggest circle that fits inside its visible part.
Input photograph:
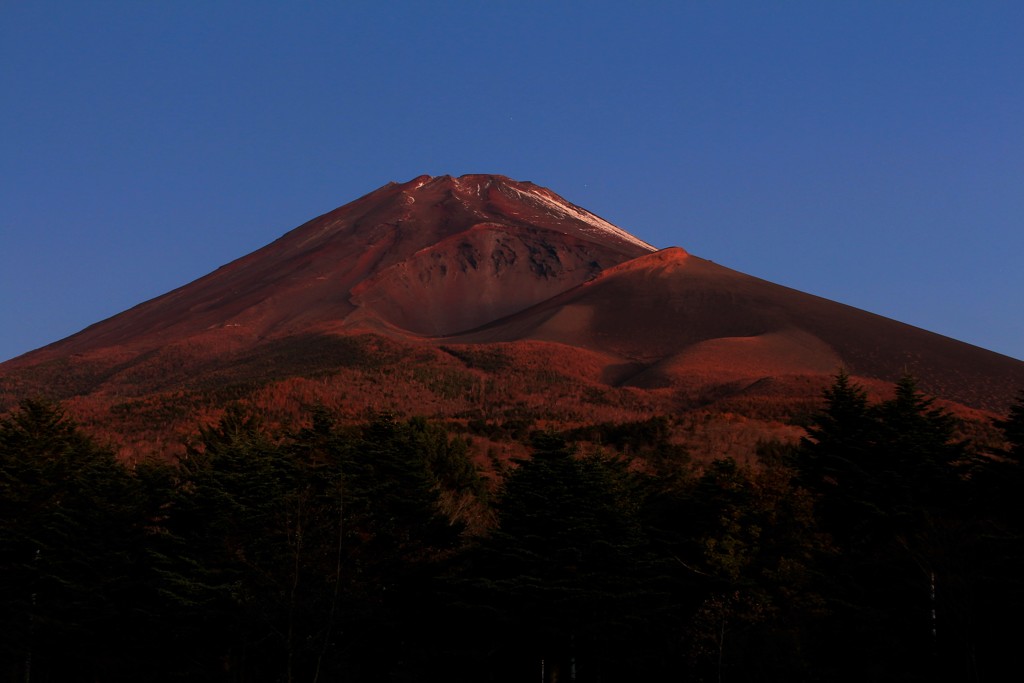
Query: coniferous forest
(882, 547)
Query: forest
(883, 546)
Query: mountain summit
(486, 262)
(433, 256)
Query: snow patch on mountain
(563, 209)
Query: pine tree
(839, 434)
(757, 547)
(838, 460)
(233, 534)
(396, 536)
(1013, 429)
(919, 458)
(997, 556)
(560, 579)
(889, 482)
(73, 527)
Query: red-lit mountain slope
(505, 267)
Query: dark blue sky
(868, 152)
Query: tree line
(879, 548)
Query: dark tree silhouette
(72, 537)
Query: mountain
(428, 257)
(478, 277)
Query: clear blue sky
(868, 152)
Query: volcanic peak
(431, 256)
(516, 201)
